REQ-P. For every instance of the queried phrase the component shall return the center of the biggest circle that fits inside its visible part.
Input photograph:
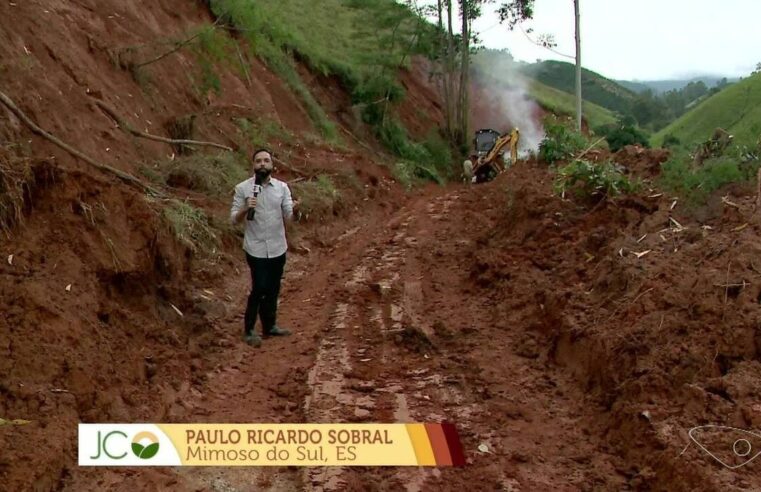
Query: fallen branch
(126, 177)
(356, 139)
(590, 148)
(726, 201)
(128, 128)
(726, 286)
(243, 65)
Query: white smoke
(504, 100)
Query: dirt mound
(645, 163)
(656, 315)
(89, 332)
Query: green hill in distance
(661, 86)
(736, 109)
(594, 87)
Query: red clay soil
(574, 346)
(527, 320)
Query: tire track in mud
(389, 356)
(355, 376)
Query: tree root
(129, 129)
(126, 177)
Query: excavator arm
(502, 142)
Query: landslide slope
(108, 292)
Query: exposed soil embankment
(653, 312)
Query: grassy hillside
(737, 109)
(362, 44)
(563, 103)
(633, 85)
(661, 86)
(595, 88)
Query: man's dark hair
(253, 156)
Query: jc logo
(104, 443)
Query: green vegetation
(595, 88)
(560, 142)
(259, 133)
(736, 108)
(15, 179)
(360, 42)
(695, 184)
(652, 110)
(215, 175)
(624, 132)
(430, 160)
(663, 86)
(589, 180)
(212, 46)
(191, 227)
(563, 103)
(318, 198)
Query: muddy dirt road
(503, 309)
(389, 327)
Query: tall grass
(696, 184)
(362, 43)
(191, 227)
(213, 174)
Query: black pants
(265, 289)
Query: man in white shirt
(265, 205)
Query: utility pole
(578, 64)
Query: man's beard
(262, 174)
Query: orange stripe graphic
(439, 444)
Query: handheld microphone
(257, 189)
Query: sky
(640, 39)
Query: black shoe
(253, 340)
(276, 331)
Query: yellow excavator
(490, 146)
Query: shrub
(191, 227)
(696, 184)
(430, 160)
(318, 198)
(622, 136)
(592, 180)
(15, 179)
(260, 133)
(559, 142)
(671, 141)
(215, 175)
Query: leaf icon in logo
(145, 452)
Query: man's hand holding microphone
(251, 202)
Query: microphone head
(257, 179)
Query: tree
(578, 64)
(456, 69)
(468, 9)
